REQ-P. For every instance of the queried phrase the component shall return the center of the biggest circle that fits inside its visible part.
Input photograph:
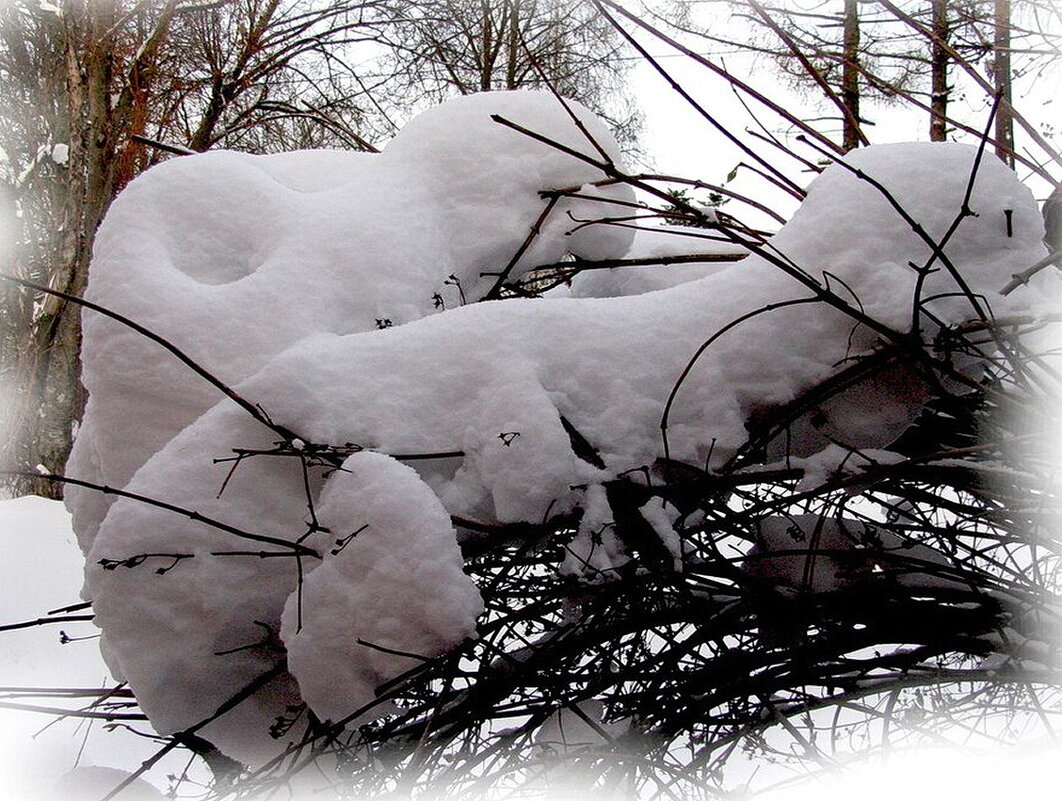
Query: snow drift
(273, 273)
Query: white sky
(680, 142)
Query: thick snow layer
(235, 257)
(392, 585)
(460, 380)
(192, 622)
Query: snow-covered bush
(357, 542)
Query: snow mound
(509, 411)
(807, 554)
(236, 257)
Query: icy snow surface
(273, 272)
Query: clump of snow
(595, 553)
(870, 413)
(810, 554)
(807, 554)
(661, 517)
(915, 564)
(608, 365)
(60, 153)
(393, 585)
(836, 462)
(192, 613)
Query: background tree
(920, 54)
(828, 48)
(938, 129)
(987, 38)
(444, 47)
(84, 83)
(1001, 73)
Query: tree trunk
(203, 137)
(56, 389)
(850, 75)
(1004, 116)
(486, 68)
(514, 54)
(938, 127)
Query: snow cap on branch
(392, 589)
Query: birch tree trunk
(850, 75)
(1001, 48)
(938, 103)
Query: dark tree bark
(89, 46)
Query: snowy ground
(41, 571)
